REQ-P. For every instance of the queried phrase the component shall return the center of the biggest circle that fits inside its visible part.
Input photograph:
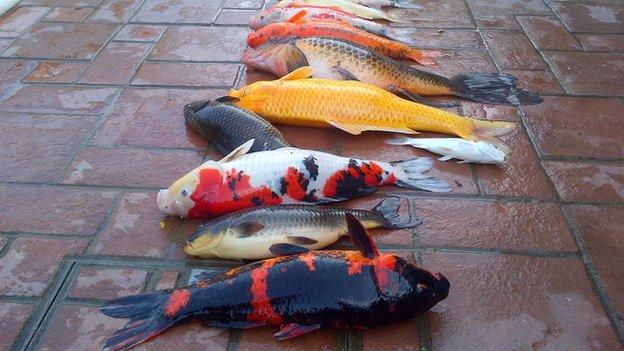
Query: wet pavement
(91, 96)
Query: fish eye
(262, 17)
(420, 287)
(184, 192)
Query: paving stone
(447, 39)
(201, 44)
(135, 223)
(575, 126)
(4, 43)
(19, 19)
(489, 112)
(13, 316)
(104, 283)
(602, 42)
(186, 74)
(254, 339)
(11, 72)
(596, 18)
(243, 4)
(454, 62)
(481, 224)
(445, 14)
(587, 181)
(117, 11)
(36, 147)
(601, 231)
(130, 167)
(62, 3)
(167, 280)
(68, 14)
(396, 336)
(59, 99)
(586, 73)
(499, 13)
(44, 40)
(175, 11)
(500, 302)
(235, 17)
(539, 82)
(116, 63)
(193, 335)
(522, 175)
(140, 32)
(513, 50)
(30, 263)
(548, 33)
(53, 210)
(56, 72)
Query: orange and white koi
(347, 6)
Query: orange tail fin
(425, 58)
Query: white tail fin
(416, 179)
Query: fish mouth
(162, 201)
(189, 249)
(267, 58)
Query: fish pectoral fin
(228, 99)
(235, 325)
(246, 229)
(445, 158)
(239, 151)
(299, 73)
(288, 331)
(298, 17)
(302, 240)
(360, 237)
(357, 129)
(346, 75)
(284, 249)
(464, 161)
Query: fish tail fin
(415, 178)
(399, 139)
(406, 4)
(489, 130)
(388, 212)
(425, 58)
(493, 88)
(402, 34)
(146, 319)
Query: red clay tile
(499, 13)
(193, 335)
(548, 33)
(493, 225)
(574, 126)
(235, 17)
(96, 283)
(262, 338)
(500, 302)
(13, 316)
(140, 32)
(116, 63)
(53, 210)
(588, 73)
(243, 4)
(114, 11)
(201, 44)
(78, 328)
(68, 14)
(396, 336)
(522, 175)
(490, 112)
(4, 43)
(513, 50)
(454, 62)
(601, 231)
(174, 11)
(11, 72)
(152, 117)
(130, 167)
(31, 262)
(447, 39)
(56, 72)
(325, 139)
(43, 40)
(167, 280)
(446, 14)
(539, 82)
(602, 42)
(587, 181)
(36, 148)
(597, 18)
(59, 99)
(67, 3)
(19, 19)
(186, 74)
(134, 225)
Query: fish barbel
(338, 59)
(298, 27)
(249, 234)
(347, 6)
(464, 150)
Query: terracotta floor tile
(455, 62)
(591, 17)
(548, 33)
(186, 74)
(602, 42)
(490, 112)
(68, 14)
(142, 117)
(499, 13)
(447, 38)
(513, 50)
(193, 335)
(587, 73)
(438, 14)
(325, 139)
(17, 20)
(43, 40)
(601, 231)
(11, 72)
(37, 147)
(47, 209)
(12, 319)
(56, 72)
(262, 338)
(571, 126)
(538, 82)
(167, 280)
(114, 11)
(30, 263)
(235, 17)
(397, 336)
(4, 43)
(104, 283)
(116, 63)
(201, 44)
(174, 11)
(243, 4)
(499, 302)
(59, 99)
(67, 3)
(587, 181)
(140, 32)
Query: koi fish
(346, 6)
(286, 176)
(297, 27)
(338, 59)
(249, 234)
(402, 4)
(354, 107)
(277, 15)
(301, 291)
(464, 150)
(228, 126)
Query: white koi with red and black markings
(286, 176)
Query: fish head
(264, 18)
(199, 185)
(493, 152)
(206, 238)
(278, 58)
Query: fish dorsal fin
(284, 249)
(298, 17)
(356, 129)
(246, 229)
(299, 73)
(360, 237)
(239, 151)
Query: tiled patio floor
(91, 96)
